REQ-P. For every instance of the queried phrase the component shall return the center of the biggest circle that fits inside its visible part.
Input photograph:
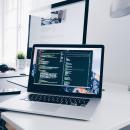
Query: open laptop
(64, 81)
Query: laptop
(64, 81)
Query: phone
(8, 91)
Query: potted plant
(21, 61)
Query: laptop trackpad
(44, 106)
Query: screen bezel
(40, 89)
(55, 5)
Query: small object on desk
(4, 68)
(128, 88)
(8, 72)
(9, 91)
(23, 74)
(103, 89)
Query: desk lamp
(120, 8)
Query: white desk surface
(113, 113)
(5, 84)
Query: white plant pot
(21, 63)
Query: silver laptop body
(64, 81)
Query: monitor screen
(65, 24)
(67, 70)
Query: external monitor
(65, 24)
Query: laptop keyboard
(57, 99)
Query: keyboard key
(75, 101)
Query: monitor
(65, 24)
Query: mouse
(4, 68)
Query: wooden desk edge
(9, 124)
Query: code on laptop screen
(69, 69)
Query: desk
(113, 113)
(5, 84)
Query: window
(14, 15)
(1, 21)
(15, 28)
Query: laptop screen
(67, 70)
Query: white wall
(1, 28)
(114, 33)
